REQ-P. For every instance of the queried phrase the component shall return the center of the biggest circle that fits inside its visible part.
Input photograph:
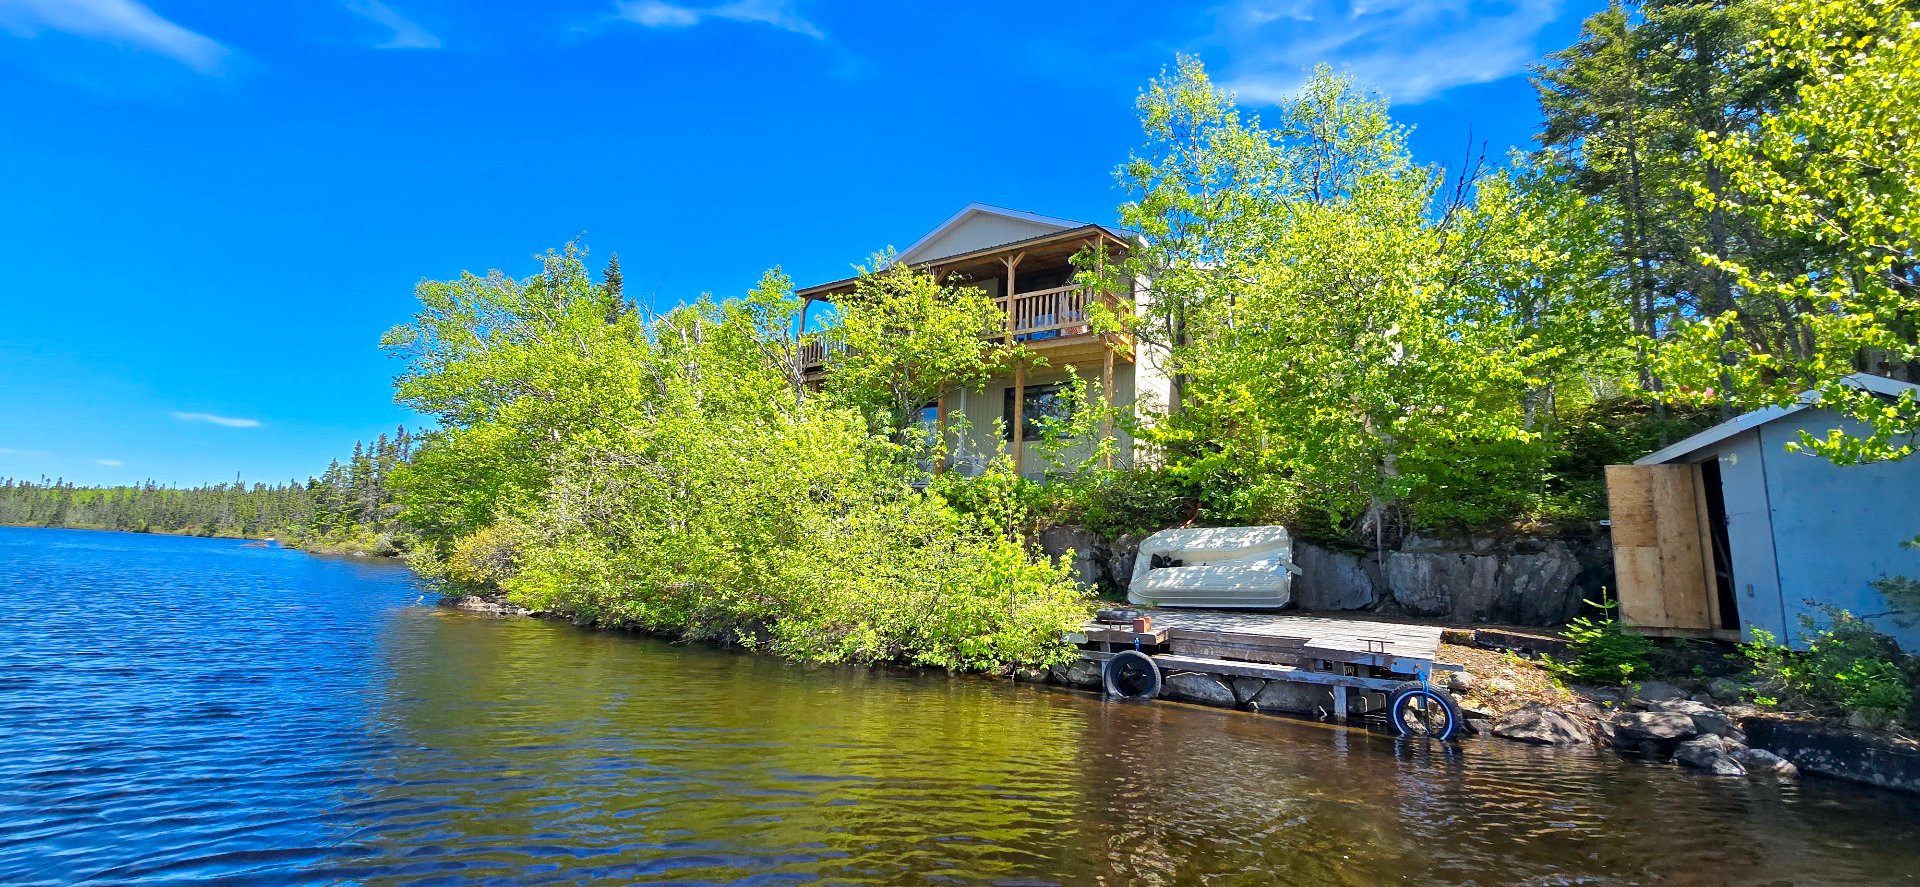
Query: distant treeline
(349, 501)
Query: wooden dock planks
(1288, 639)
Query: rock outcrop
(1543, 725)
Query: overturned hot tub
(1216, 568)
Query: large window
(1042, 402)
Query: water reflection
(178, 711)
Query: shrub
(1601, 652)
(486, 558)
(1848, 667)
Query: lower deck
(1342, 665)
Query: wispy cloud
(660, 14)
(110, 463)
(406, 33)
(4, 451)
(1409, 50)
(116, 21)
(218, 420)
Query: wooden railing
(814, 351)
(1028, 317)
(1046, 314)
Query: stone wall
(1521, 581)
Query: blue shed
(1729, 531)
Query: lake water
(188, 710)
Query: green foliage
(905, 337)
(674, 474)
(1834, 170)
(1601, 652)
(1355, 344)
(1848, 667)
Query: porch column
(1011, 262)
(940, 433)
(1019, 416)
(1106, 391)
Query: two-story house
(1023, 261)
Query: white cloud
(1409, 50)
(660, 14)
(10, 452)
(116, 21)
(217, 420)
(406, 34)
(110, 463)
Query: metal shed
(1728, 531)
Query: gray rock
(1480, 726)
(1653, 726)
(1245, 689)
(1089, 561)
(1759, 761)
(1714, 722)
(1198, 688)
(1683, 706)
(1031, 675)
(1331, 580)
(1121, 554)
(1291, 698)
(1708, 753)
(1658, 691)
(1078, 673)
(485, 606)
(1542, 725)
(1460, 681)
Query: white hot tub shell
(1229, 567)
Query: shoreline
(1654, 720)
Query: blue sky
(210, 211)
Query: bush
(1848, 668)
(1601, 652)
(486, 558)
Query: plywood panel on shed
(1662, 560)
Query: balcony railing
(1046, 314)
(1029, 317)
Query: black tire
(1423, 711)
(1131, 674)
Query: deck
(1361, 656)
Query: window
(1042, 402)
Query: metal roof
(1880, 385)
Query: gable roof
(921, 250)
(1880, 385)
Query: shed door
(1663, 561)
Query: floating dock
(1360, 663)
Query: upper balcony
(1046, 312)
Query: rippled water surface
(184, 710)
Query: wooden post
(1011, 262)
(1106, 391)
(1019, 416)
(940, 432)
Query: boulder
(1331, 580)
(1078, 673)
(1121, 554)
(1292, 698)
(1708, 753)
(1031, 675)
(1759, 761)
(1089, 562)
(1460, 682)
(1658, 691)
(1201, 688)
(1653, 726)
(1543, 725)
